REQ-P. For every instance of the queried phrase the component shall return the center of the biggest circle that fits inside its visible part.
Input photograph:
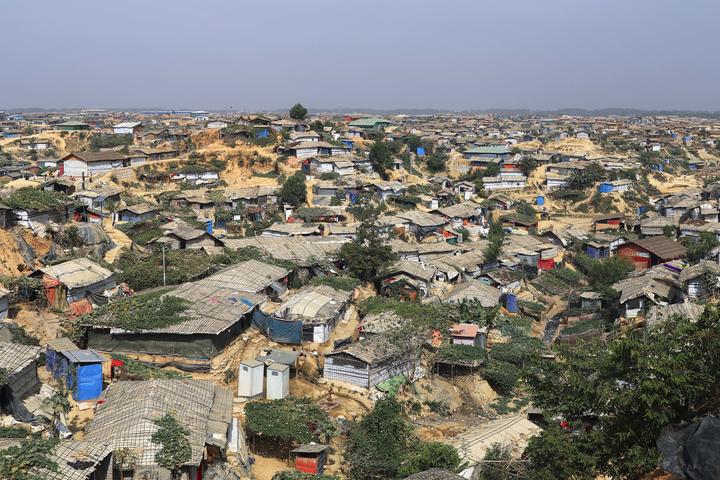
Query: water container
(540, 200)
(511, 303)
(209, 226)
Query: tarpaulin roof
(79, 272)
(314, 305)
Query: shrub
(502, 376)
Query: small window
(245, 368)
(274, 374)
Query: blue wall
(90, 382)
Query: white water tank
(278, 381)
(250, 378)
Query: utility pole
(163, 263)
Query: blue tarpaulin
(278, 330)
(90, 382)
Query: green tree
(601, 274)
(635, 386)
(57, 404)
(298, 112)
(294, 190)
(379, 442)
(368, 254)
(558, 455)
(31, 460)
(430, 455)
(528, 165)
(492, 170)
(669, 231)
(413, 142)
(699, 249)
(381, 157)
(586, 178)
(436, 161)
(499, 464)
(496, 235)
(174, 439)
(317, 126)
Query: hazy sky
(455, 54)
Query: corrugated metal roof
(14, 357)
(127, 417)
(299, 250)
(83, 356)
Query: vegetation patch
(289, 420)
(455, 353)
(35, 200)
(143, 371)
(143, 312)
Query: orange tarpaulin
(80, 308)
(54, 291)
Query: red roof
(468, 330)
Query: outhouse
(81, 369)
(250, 378)
(278, 381)
(310, 458)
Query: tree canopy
(634, 386)
(603, 273)
(379, 442)
(586, 178)
(294, 191)
(436, 161)
(298, 112)
(368, 254)
(699, 249)
(381, 157)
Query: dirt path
(120, 240)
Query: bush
(502, 376)
(330, 176)
(603, 273)
(431, 455)
(36, 200)
(519, 351)
(462, 352)
(288, 420)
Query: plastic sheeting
(277, 330)
(88, 233)
(692, 451)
